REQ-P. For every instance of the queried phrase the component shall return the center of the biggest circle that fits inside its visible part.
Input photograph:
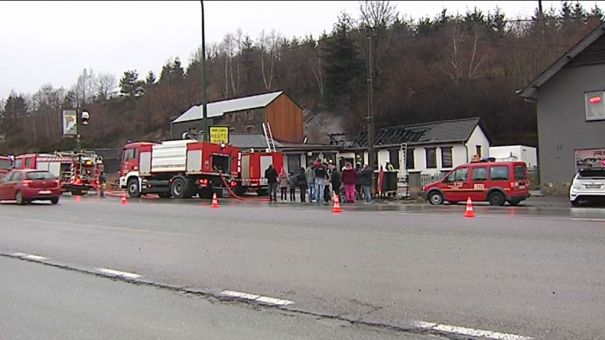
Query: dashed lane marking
(468, 331)
(257, 298)
(118, 273)
(30, 256)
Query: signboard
(70, 123)
(219, 134)
(589, 158)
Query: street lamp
(204, 94)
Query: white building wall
(478, 138)
(383, 158)
(459, 155)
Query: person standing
(321, 175)
(358, 182)
(292, 180)
(349, 179)
(366, 176)
(301, 182)
(271, 176)
(102, 183)
(335, 180)
(283, 184)
(310, 173)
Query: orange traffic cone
(124, 201)
(214, 201)
(469, 208)
(336, 208)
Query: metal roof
(219, 108)
(446, 131)
(532, 88)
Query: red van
(495, 182)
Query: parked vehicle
(179, 169)
(25, 186)
(495, 182)
(6, 165)
(84, 173)
(252, 170)
(587, 185)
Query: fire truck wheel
(177, 189)
(133, 188)
(239, 190)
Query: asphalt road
(513, 271)
(41, 302)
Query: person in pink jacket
(349, 179)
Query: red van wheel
(435, 198)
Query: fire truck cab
(178, 168)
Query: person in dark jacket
(301, 183)
(292, 179)
(336, 182)
(349, 179)
(366, 176)
(271, 176)
(321, 179)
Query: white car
(587, 185)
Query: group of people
(321, 180)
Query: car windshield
(37, 175)
(592, 173)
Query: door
(478, 183)
(457, 185)
(7, 188)
(4, 185)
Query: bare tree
(269, 48)
(377, 14)
(105, 83)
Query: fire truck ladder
(269, 137)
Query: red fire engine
(179, 168)
(59, 166)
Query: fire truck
(6, 164)
(86, 169)
(58, 166)
(178, 168)
(253, 166)
(78, 172)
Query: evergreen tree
(130, 85)
(150, 80)
(343, 67)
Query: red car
(25, 186)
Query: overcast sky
(52, 42)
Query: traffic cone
(336, 208)
(469, 208)
(77, 198)
(124, 201)
(214, 201)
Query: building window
(595, 106)
(431, 158)
(394, 158)
(249, 129)
(232, 117)
(250, 115)
(409, 159)
(478, 150)
(446, 157)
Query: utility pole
(204, 93)
(370, 117)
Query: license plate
(44, 192)
(521, 186)
(593, 186)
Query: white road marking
(468, 331)
(30, 256)
(257, 298)
(119, 273)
